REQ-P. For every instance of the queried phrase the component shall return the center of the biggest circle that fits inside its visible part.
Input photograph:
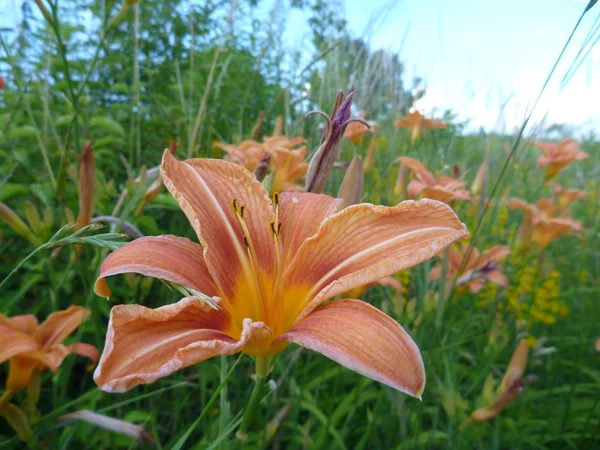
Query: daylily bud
(480, 179)
(352, 185)
(33, 218)
(324, 158)
(2, 83)
(48, 218)
(401, 180)
(87, 178)
(278, 130)
(525, 232)
(371, 153)
(17, 224)
(136, 432)
(154, 189)
(258, 126)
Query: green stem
(251, 412)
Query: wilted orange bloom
(260, 276)
(480, 269)
(564, 196)
(287, 166)
(509, 390)
(424, 185)
(355, 130)
(559, 156)
(544, 220)
(28, 345)
(418, 124)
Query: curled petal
(363, 339)
(169, 258)
(143, 345)
(82, 349)
(364, 243)
(61, 324)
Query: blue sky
(475, 56)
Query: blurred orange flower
(558, 156)
(565, 196)
(418, 124)
(355, 130)
(424, 185)
(480, 269)
(287, 167)
(544, 221)
(29, 346)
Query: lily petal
(143, 345)
(365, 340)
(169, 258)
(61, 324)
(301, 215)
(364, 243)
(15, 343)
(205, 190)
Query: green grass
(57, 98)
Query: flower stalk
(252, 412)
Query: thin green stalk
(251, 412)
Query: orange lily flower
(287, 166)
(558, 156)
(246, 154)
(481, 268)
(30, 346)
(424, 185)
(260, 277)
(565, 196)
(547, 225)
(509, 390)
(355, 130)
(418, 124)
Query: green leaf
(107, 125)
(23, 132)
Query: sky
(485, 60)
(481, 57)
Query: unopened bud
(258, 126)
(401, 181)
(15, 222)
(278, 130)
(525, 232)
(324, 158)
(154, 189)
(352, 185)
(87, 178)
(371, 154)
(33, 218)
(48, 218)
(480, 179)
(134, 431)
(2, 83)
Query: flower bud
(324, 158)
(87, 178)
(134, 431)
(401, 181)
(15, 222)
(33, 218)
(278, 130)
(258, 126)
(154, 189)
(480, 179)
(352, 185)
(2, 83)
